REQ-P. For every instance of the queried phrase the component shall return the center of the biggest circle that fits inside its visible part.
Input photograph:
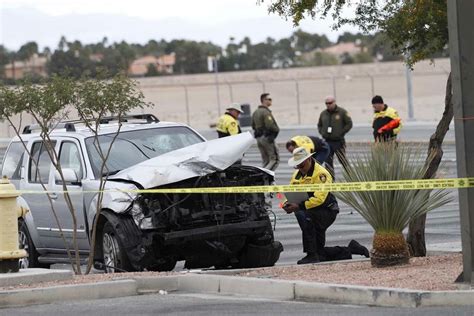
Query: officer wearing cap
(228, 124)
(333, 125)
(317, 213)
(386, 123)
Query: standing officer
(317, 213)
(312, 144)
(265, 131)
(386, 123)
(334, 123)
(228, 124)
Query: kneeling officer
(317, 213)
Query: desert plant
(390, 212)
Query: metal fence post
(372, 86)
(231, 93)
(216, 71)
(264, 90)
(334, 87)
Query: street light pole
(408, 76)
(461, 51)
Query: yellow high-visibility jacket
(227, 125)
(317, 174)
(304, 141)
(384, 117)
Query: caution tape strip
(425, 184)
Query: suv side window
(70, 157)
(13, 161)
(39, 171)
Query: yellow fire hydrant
(9, 214)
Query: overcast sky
(137, 21)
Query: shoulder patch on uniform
(270, 118)
(323, 178)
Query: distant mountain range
(18, 26)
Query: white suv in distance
(142, 231)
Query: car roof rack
(28, 129)
(69, 126)
(149, 118)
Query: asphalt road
(411, 131)
(207, 305)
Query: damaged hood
(188, 162)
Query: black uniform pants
(338, 148)
(313, 224)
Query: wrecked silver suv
(138, 231)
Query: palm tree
(389, 212)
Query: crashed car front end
(204, 229)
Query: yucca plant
(389, 212)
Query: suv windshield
(132, 147)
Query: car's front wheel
(25, 243)
(114, 255)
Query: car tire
(114, 255)
(167, 264)
(258, 256)
(26, 243)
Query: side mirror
(70, 176)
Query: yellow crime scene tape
(425, 184)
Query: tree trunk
(416, 230)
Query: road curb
(62, 293)
(34, 275)
(266, 288)
(320, 292)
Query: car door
(71, 157)
(35, 176)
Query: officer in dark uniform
(317, 213)
(265, 131)
(333, 125)
(228, 123)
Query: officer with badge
(265, 132)
(317, 213)
(228, 124)
(333, 125)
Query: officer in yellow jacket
(317, 213)
(228, 124)
(386, 123)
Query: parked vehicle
(143, 231)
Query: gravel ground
(434, 273)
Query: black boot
(310, 258)
(358, 249)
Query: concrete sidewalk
(225, 283)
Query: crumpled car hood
(188, 162)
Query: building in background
(34, 67)
(162, 65)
